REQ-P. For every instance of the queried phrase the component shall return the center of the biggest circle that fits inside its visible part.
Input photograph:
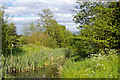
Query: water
(45, 72)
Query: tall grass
(101, 65)
(32, 57)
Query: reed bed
(32, 58)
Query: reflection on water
(45, 72)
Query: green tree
(8, 33)
(51, 27)
(46, 18)
(48, 26)
(30, 28)
(1, 20)
(99, 30)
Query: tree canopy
(99, 25)
(8, 33)
(48, 26)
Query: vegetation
(50, 33)
(32, 58)
(101, 65)
(9, 35)
(92, 53)
(99, 26)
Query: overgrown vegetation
(101, 65)
(32, 58)
(93, 53)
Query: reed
(32, 58)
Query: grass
(97, 66)
(32, 57)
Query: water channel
(50, 71)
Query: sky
(26, 11)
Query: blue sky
(25, 11)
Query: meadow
(99, 65)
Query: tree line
(99, 26)
(46, 31)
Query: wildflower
(94, 57)
(106, 49)
(110, 75)
(87, 69)
(45, 48)
(99, 58)
(44, 76)
(102, 52)
(110, 52)
(91, 54)
(99, 55)
(93, 72)
(98, 64)
(95, 54)
(94, 60)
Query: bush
(39, 39)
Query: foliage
(1, 19)
(99, 27)
(8, 34)
(101, 65)
(39, 39)
(29, 29)
(52, 28)
(46, 31)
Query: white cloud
(27, 10)
(16, 10)
(63, 15)
(32, 6)
(23, 20)
(71, 26)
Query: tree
(30, 28)
(8, 34)
(84, 12)
(100, 28)
(51, 27)
(46, 25)
(46, 18)
(1, 20)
